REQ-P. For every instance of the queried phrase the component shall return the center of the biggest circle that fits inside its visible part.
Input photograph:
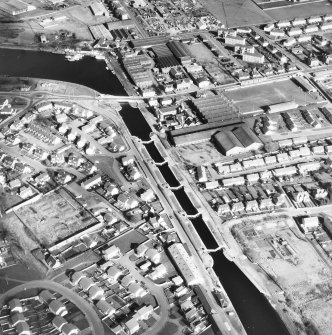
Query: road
(156, 291)
(84, 306)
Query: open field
(286, 256)
(54, 218)
(237, 13)
(250, 99)
(300, 10)
(195, 154)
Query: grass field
(237, 13)
(301, 10)
(253, 98)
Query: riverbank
(89, 72)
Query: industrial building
(165, 58)
(281, 107)
(180, 51)
(184, 263)
(216, 108)
(238, 141)
(15, 7)
(100, 32)
(99, 9)
(138, 68)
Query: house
(132, 326)
(92, 181)
(46, 296)
(57, 307)
(58, 322)
(111, 252)
(148, 195)
(96, 293)
(127, 280)
(16, 318)
(23, 329)
(153, 255)
(141, 249)
(137, 290)
(114, 273)
(105, 308)
(177, 280)
(77, 276)
(309, 224)
(86, 283)
(158, 272)
(15, 306)
(70, 329)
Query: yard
(54, 218)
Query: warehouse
(238, 141)
(15, 7)
(304, 84)
(215, 109)
(227, 143)
(281, 107)
(100, 31)
(99, 9)
(180, 51)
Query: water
(88, 71)
(256, 314)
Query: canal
(255, 312)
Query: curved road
(92, 317)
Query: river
(256, 314)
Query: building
(96, 293)
(255, 57)
(294, 32)
(308, 167)
(180, 51)
(281, 107)
(76, 277)
(111, 252)
(16, 318)
(184, 263)
(287, 171)
(92, 181)
(99, 9)
(58, 322)
(233, 181)
(70, 329)
(235, 40)
(238, 141)
(46, 296)
(23, 329)
(309, 224)
(105, 308)
(58, 308)
(15, 305)
(15, 7)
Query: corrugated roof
(227, 140)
